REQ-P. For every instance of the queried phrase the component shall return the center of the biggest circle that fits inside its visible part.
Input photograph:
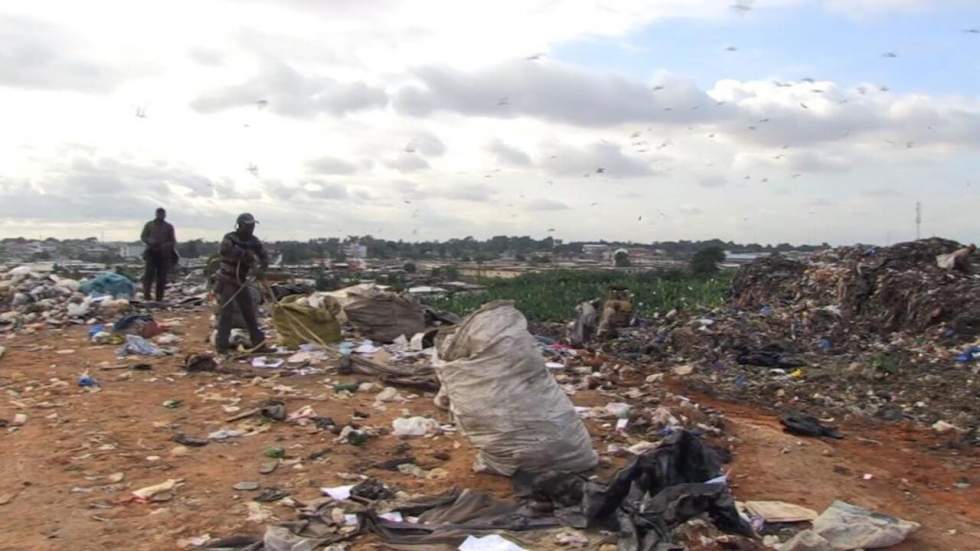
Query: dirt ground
(60, 485)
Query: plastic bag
(505, 400)
(414, 426)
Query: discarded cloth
(768, 356)
(659, 490)
(807, 425)
(848, 526)
(108, 283)
(139, 346)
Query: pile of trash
(906, 287)
(885, 332)
(29, 298)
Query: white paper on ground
(366, 347)
(263, 362)
(493, 542)
(340, 493)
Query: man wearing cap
(241, 252)
(158, 235)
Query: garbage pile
(29, 298)
(870, 289)
(889, 332)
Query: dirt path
(60, 489)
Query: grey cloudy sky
(435, 119)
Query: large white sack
(505, 400)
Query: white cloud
(508, 155)
(407, 162)
(291, 93)
(546, 204)
(36, 54)
(599, 160)
(330, 165)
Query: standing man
(158, 235)
(240, 252)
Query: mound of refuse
(870, 289)
(885, 332)
(29, 297)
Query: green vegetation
(705, 262)
(553, 295)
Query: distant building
(355, 250)
(128, 250)
(597, 251)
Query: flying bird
(550, 230)
(731, 49)
(782, 84)
(658, 88)
(785, 146)
(253, 170)
(972, 31)
(908, 145)
(889, 54)
(816, 90)
(803, 105)
(410, 148)
(797, 175)
(594, 204)
(640, 219)
(763, 120)
(751, 128)
(777, 157)
(668, 108)
(503, 101)
(535, 57)
(261, 103)
(808, 79)
(600, 170)
(406, 201)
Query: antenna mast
(918, 220)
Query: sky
(763, 121)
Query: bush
(622, 259)
(553, 295)
(705, 262)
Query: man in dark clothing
(241, 252)
(158, 235)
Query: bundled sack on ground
(299, 320)
(383, 315)
(505, 400)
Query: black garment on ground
(660, 490)
(768, 356)
(807, 425)
(230, 294)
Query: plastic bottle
(345, 367)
